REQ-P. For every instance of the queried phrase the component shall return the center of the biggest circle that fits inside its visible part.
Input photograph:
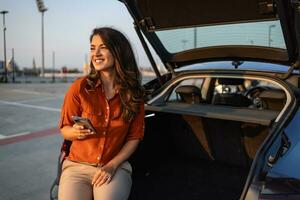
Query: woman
(111, 97)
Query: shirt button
(106, 119)
(98, 158)
(107, 107)
(104, 132)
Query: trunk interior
(194, 157)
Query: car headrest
(189, 93)
(188, 89)
(230, 81)
(231, 99)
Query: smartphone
(86, 122)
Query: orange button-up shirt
(112, 131)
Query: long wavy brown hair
(128, 77)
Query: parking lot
(29, 139)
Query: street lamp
(42, 9)
(13, 64)
(195, 37)
(269, 36)
(3, 12)
(53, 67)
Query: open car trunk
(191, 157)
(196, 148)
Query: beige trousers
(76, 183)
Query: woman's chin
(98, 68)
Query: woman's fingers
(78, 126)
(100, 178)
(80, 132)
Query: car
(223, 121)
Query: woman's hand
(75, 132)
(104, 175)
(80, 132)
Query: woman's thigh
(117, 189)
(75, 182)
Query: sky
(67, 27)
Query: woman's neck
(108, 81)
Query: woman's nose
(98, 51)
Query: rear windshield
(267, 34)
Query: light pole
(195, 37)
(13, 64)
(269, 36)
(42, 9)
(53, 66)
(3, 12)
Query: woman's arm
(127, 150)
(105, 173)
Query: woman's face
(101, 57)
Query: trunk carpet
(179, 179)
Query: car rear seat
(223, 140)
(254, 135)
(192, 94)
(226, 137)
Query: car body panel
(289, 164)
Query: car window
(248, 93)
(267, 34)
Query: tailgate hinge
(290, 71)
(148, 23)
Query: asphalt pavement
(29, 139)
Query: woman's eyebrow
(92, 45)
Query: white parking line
(29, 92)
(2, 136)
(14, 135)
(30, 106)
(41, 99)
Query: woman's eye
(92, 48)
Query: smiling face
(101, 57)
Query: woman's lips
(98, 60)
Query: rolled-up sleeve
(71, 106)
(137, 125)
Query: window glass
(267, 34)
